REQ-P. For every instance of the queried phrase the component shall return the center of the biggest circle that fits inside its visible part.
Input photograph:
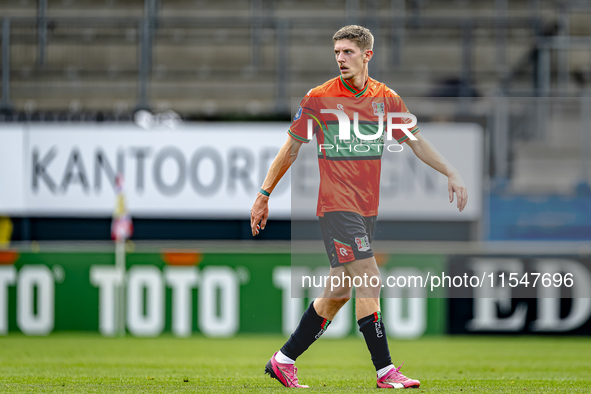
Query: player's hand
(455, 184)
(259, 213)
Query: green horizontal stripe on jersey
(413, 131)
(350, 158)
(353, 148)
(297, 137)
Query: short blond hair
(358, 34)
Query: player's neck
(359, 81)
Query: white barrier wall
(206, 170)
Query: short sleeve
(299, 125)
(396, 104)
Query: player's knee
(368, 292)
(373, 273)
(343, 293)
(375, 281)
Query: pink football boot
(395, 380)
(286, 374)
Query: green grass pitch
(89, 363)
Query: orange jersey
(349, 169)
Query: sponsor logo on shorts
(344, 252)
(362, 243)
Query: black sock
(375, 337)
(311, 327)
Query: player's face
(350, 58)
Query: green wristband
(264, 192)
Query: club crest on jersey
(362, 243)
(298, 114)
(378, 108)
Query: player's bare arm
(425, 151)
(284, 159)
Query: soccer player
(347, 202)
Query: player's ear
(367, 55)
